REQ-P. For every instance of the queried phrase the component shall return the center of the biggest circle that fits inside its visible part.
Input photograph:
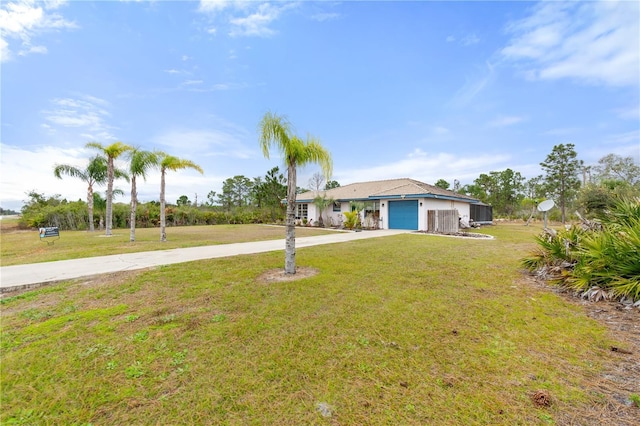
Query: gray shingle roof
(384, 188)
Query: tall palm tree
(140, 162)
(277, 131)
(112, 152)
(100, 204)
(94, 174)
(169, 162)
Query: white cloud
(474, 86)
(25, 170)
(593, 42)
(631, 113)
(87, 113)
(247, 19)
(214, 6)
(225, 141)
(624, 144)
(504, 121)
(22, 21)
(470, 40)
(428, 167)
(256, 24)
(325, 16)
(564, 131)
(34, 49)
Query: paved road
(19, 277)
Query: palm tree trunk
(290, 242)
(163, 234)
(134, 207)
(109, 218)
(90, 207)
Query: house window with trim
(302, 211)
(336, 206)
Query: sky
(423, 90)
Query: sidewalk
(19, 277)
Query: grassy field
(405, 330)
(19, 247)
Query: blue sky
(425, 90)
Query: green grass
(19, 247)
(411, 329)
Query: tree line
(567, 180)
(241, 201)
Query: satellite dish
(546, 205)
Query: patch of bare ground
(620, 376)
(460, 234)
(278, 275)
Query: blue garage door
(403, 214)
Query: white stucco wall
(427, 204)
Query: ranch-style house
(388, 204)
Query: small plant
(167, 319)
(36, 315)
(218, 318)
(351, 219)
(69, 309)
(140, 336)
(131, 318)
(178, 357)
(111, 365)
(134, 371)
(363, 341)
(635, 398)
(364, 367)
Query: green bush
(74, 216)
(606, 257)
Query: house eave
(434, 196)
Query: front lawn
(411, 329)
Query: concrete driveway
(20, 277)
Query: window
(302, 211)
(336, 206)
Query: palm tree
(276, 131)
(94, 174)
(322, 203)
(169, 162)
(100, 204)
(139, 164)
(112, 152)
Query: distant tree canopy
(504, 190)
(7, 211)
(615, 168)
(332, 184)
(561, 169)
(183, 201)
(441, 183)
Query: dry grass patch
(279, 275)
(19, 247)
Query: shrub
(606, 256)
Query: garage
(403, 214)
